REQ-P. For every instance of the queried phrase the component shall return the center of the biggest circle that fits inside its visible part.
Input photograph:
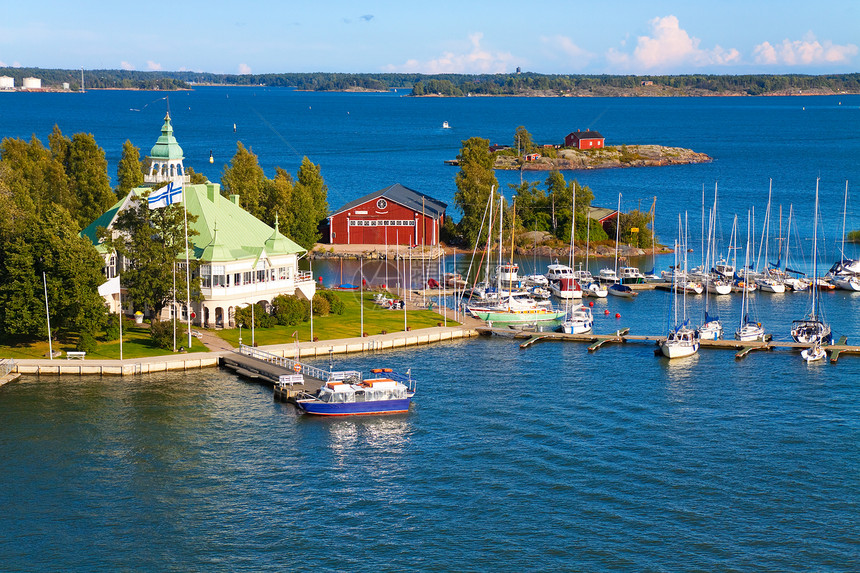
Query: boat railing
(6, 366)
(283, 361)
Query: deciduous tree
(474, 181)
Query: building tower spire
(166, 157)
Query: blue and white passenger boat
(387, 392)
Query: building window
(282, 273)
(237, 279)
(382, 204)
(246, 278)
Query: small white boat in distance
(445, 125)
(814, 353)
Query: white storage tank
(32, 84)
(7, 83)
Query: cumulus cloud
(126, 65)
(803, 52)
(670, 46)
(367, 17)
(153, 66)
(477, 60)
(244, 69)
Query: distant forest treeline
(455, 84)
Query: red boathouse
(584, 140)
(394, 215)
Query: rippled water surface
(550, 458)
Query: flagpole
(187, 267)
(173, 303)
(48, 315)
(311, 269)
(120, 318)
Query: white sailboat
(616, 288)
(766, 281)
(681, 340)
(712, 327)
(749, 329)
(812, 329)
(843, 277)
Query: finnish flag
(167, 195)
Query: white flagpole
(48, 315)
(120, 318)
(187, 266)
(173, 304)
(311, 269)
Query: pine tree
(129, 170)
(245, 177)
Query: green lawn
(347, 325)
(136, 344)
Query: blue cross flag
(167, 195)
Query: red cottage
(394, 215)
(584, 140)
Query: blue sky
(558, 37)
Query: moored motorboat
(813, 353)
(566, 288)
(386, 392)
(622, 291)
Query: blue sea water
(550, 458)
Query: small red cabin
(395, 215)
(584, 140)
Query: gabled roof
(401, 195)
(225, 231)
(601, 214)
(586, 135)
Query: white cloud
(126, 65)
(153, 66)
(804, 52)
(562, 47)
(244, 69)
(2, 64)
(476, 61)
(670, 46)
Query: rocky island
(603, 158)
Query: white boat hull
(814, 354)
(749, 332)
(848, 283)
(679, 350)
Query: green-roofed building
(241, 259)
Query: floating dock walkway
(622, 336)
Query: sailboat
(507, 306)
(578, 320)
(681, 340)
(812, 329)
(590, 287)
(712, 328)
(844, 277)
(813, 353)
(795, 282)
(617, 288)
(768, 282)
(749, 329)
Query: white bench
(74, 355)
(290, 379)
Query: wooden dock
(596, 341)
(288, 378)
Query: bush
(335, 303)
(161, 333)
(321, 306)
(87, 343)
(289, 310)
(111, 329)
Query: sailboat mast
(617, 233)
(489, 237)
(844, 211)
(815, 251)
(572, 223)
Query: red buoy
(606, 311)
(617, 315)
(591, 303)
